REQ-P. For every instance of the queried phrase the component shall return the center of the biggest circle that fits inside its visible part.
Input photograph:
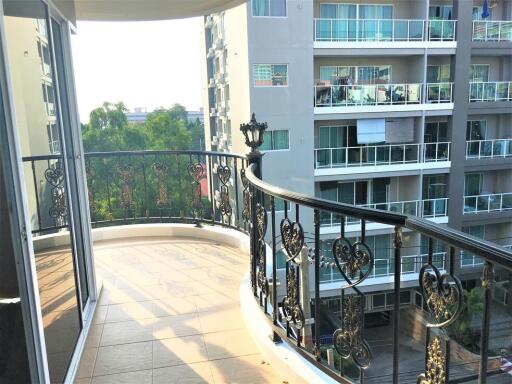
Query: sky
(143, 64)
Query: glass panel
(277, 8)
(260, 8)
(14, 365)
(46, 183)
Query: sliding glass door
(49, 166)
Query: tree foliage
(164, 129)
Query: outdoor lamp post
(253, 133)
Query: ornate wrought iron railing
(296, 306)
(143, 187)
(422, 283)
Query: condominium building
(404, 106)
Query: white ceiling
(139, 10)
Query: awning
(144, 10)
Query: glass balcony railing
(439, 93)
(427, 208)
(494, 202)
(490, 91)
(372, 155)
(490, 30)
(481, 149)
(336, 30)
(327, 95)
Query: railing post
(255, 158)
(396, 315)
(487, 284)
(317, 284)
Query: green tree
(165, 132)
(196, 129)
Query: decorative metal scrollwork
(54, 175)
(261, 229)
(488, 275)
(349, 340)
(291, 306)
(444, 299)
(196, 172)
(246, 212)
(126, 175)
(224, 173)
(354, 261)
(292, 236)
(435, 370)
(160, 171)
(90, 174)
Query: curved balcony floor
(170, 312)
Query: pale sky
(143, 64)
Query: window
(440, 12)
(477, 13)
(269, 8)
(436, 132)
(343, 75)
(270, 75)
(476, 130)
(275, 140)
(438, 73)
(53, 138)
(468, 259)
(473, 184)
(479, 72)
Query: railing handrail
(491, 82)
(483, 248)
(487, 140)
(491, 21)
(489, 194)
(384, 145)
(142, 152)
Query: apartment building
(404, 106)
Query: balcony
(488, 149)
(493, 202)
(490, 91)
(490, 30)
(175, 232)
(382, 155)
(381, 97)
(382, 31)
(434, 209)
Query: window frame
(269, 16)
(271, 65)
(271, 132)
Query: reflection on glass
(35, 102)
(14, 367)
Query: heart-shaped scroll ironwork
(354, 261)
(292, 236)
(224, 173)
(349, 340)
(196, 171)
(261, 229)
(54, 175)
(444, 299)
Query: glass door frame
(16, 192)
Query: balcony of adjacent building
(493, 33)
(488, 193)
(346, 86)
(489, 139)
(490, 87)
(373, 147)
(390, 29)
(424, 197)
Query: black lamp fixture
(253, 132)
